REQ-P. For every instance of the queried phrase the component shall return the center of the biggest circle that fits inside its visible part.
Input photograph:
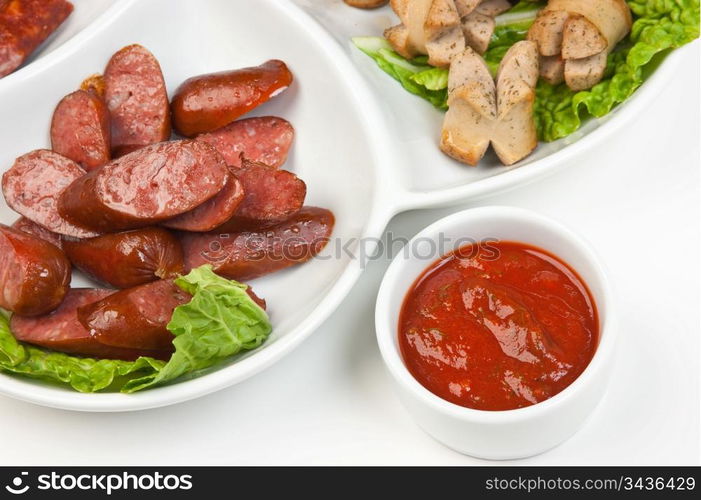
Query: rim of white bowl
(387, 332)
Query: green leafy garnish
(221, 320)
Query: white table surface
(330, 402)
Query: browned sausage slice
(95, 84)
(247, 255)
(135, 318)
(34, 274)
(136, 97)
(148, 186)
(213, 212)
(128, 259)
(80, 129)
(34, 184)
(24, 25)
(26, 226)
(270, 196)
(207, 102)
(265, 139)
(60, 330)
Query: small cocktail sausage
(150, 185)
(135, 318)
(61, 331)
(80, 129)
(34, 274)
(250, 254)
(127, 259)
(265, 139)
(208, 102)
(136, 97)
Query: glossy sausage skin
(24, 25)
(213, 212)
(250, 254)
(128, 259)
(270, 196)
(26, 226)
(208, 102)
(33, 186)
(61, 331)
(135, 318)
(265, 139)
(136, 97)
(80, 129)
(34, 274)
(150, 185)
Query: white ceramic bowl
(508, 434)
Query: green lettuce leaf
(660, 25)
(221, 320)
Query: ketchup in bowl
(498, 326)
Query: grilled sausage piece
(136, 97)
(61, 331)
(270, 196)
(80, 129)
(33, 186)
(148, 186)
(208, 102)
(250, 254)
(135, 318)
(26, 226)
(266, 139)
(24, 25)
(34, 274)
(128, 259)
(213, 212)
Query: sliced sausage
(26, 226)
(136, 97)
(581, 38)
(34, 184)
(270, 196)
(80, 129)
(213, 212)
(135, 318)
(148, 186)
(61, 331)
(128, 259)
(24, 25)
(583, 74)
(34, 274)
(250, 254)
(547, 31)
(266, 139)
(208, 102)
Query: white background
(636, 199)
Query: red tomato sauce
(498, 326)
